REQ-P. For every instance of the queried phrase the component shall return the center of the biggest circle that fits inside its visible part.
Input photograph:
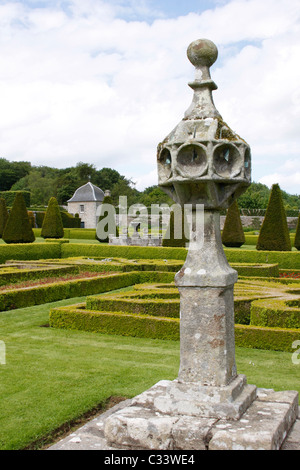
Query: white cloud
(83, 84)
(287, 176)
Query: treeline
(45, 182)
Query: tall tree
(11, 172)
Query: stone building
(85, 202)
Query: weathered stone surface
(264, 426)
(191, 399)
(188, 433)
(138, 427)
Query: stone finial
(203, 161)
(202, 52)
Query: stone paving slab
(91, 435)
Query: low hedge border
(159, 302)
(115, 323)
(284, 259)
(276, 339)
(154, 307)
(282, 313)
(28, 297)
(76, 318)
(127, 265)
(253, 239)
(29, 251)
(15, 275)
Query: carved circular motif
(165, 163)
(227, 161)
(191, 160)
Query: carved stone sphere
(202, 52)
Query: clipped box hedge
(155, 307)
(253, 239)
(282, 313)
(28, 297)
(14, 275)
(118, 323)
(115, 323)
(29, 251)
(284, 259)
(276, 339)
(129, 252)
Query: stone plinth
(151, 423)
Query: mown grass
(53, 376)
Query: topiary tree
(170, 238)
(274, 233)
(3, 215)
(233, 233)
(297, 236)
(52, 224)
(18, 228)
(106, 221)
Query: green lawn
(53, 376)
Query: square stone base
(157, 422)
(191, 399)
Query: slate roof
(87, 193)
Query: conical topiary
(3, 215)
(18, 228)
(297, 236)
(52, 224)
(274, 232)
(107, 223)
(233, 233)
(175, 235)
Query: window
(81, 208)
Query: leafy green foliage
(175, 234)
(18, 228)
(110, 227)
(11, 172)
(3, 216)
(9, 197)
(274, 233)
(233, 234)
(297, 237)
(52, 224)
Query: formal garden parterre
(267, 311)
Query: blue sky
(104, 82)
